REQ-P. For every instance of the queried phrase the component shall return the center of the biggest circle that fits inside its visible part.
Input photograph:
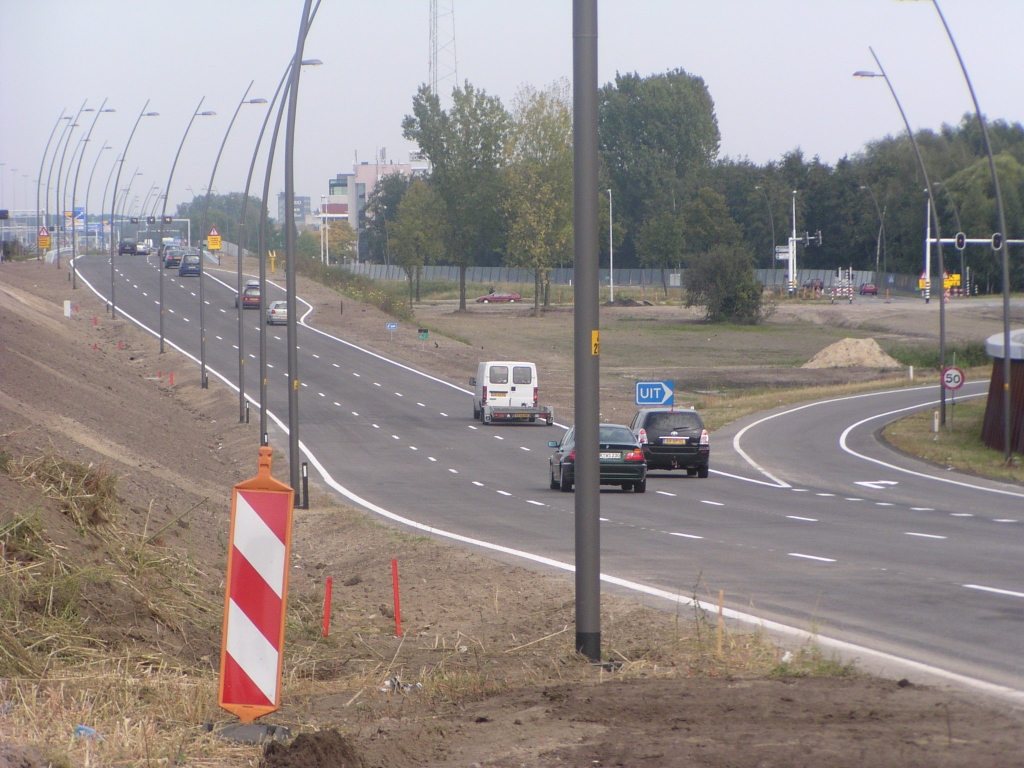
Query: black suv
(127, 247)
(673, 439)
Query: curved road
(806, 521)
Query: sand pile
(852, 352)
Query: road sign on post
(43, 238)
(254, 601)
(655, 393)
(213, 240)
(952, 378)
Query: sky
(779, 72)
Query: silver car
(277, 313)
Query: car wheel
(511, 301)
(476, 413)
(563, 483)
(554, 483)
(702, 471)
(640, 487)
(487, 301)
(691, 471)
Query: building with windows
(352, 190)
(303, 209)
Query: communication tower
(444, 70)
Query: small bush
(722, 281)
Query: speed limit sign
(952, 378)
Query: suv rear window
(499, 374)
(521, 374)
(673, 420)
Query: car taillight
(704, 439)
(485, 393)
(572, 456)
(642, 437)
(535, 397)
(635, 455)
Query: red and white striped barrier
(256, 593)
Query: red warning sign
(256, 594)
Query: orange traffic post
(259, 547)
(398, 603)
(327, 605)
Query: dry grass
(957, 445)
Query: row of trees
(500, 189)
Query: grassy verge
(958, 445)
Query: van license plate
(499, 394)
(607, 455)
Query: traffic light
(150, 219)
(4, 214)
(167, 219)
(997, 241)
(134, 220)
(961, 241)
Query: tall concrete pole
(586, 347)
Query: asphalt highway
(806, 521)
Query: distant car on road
(500, 296)
(127, 248)
(622, 460)
(172, 257)
(673, 439)
(142, 249)
(190, 265)
(868, 289)
(250, 295)
(277, 313)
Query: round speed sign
(952, 378)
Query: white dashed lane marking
(336, 365)
(421, 405)
(523, 448)
(798, 490)
(471, 426)
(453, 471)
(444, 414)
(321, 394)
(712, 503)
(504, 493)
(812, 557)
(396, 437)
(803, 519)
(923, 535)
(824, 494)
(961, 514)
(537, 503)
(431, 458)
(498, 437)
(1004, 520)
(376, 384)
(354, 413)
(921, 509)
(686, 535)
(478, 484)
(665, 493)
(399, 394)
(356, 375)
(316, 356)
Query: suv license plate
(673, 441)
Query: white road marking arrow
(876, 485)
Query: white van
(508, 390)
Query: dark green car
(622, 459)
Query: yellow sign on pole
(595, 342)
(43, 238)
(213, 240)
(953, 281)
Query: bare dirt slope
(490, 643)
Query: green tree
(466, 146)
(538, 203)
(341, 240)
(662, 243)
(708, 223)
(379, 215)
(419, 232)
(657, 136)
(722, 281)
(225, 213)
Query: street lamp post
(771, 219)
(60, 212)
(935, 222)
(1003, 252)
(42, 162)
(289, 222)
(202, 233)
(881, 224)
(163, 216)
(88, 190)
(74, 194)
(113, 205)
(611, 254)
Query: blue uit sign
(655, 393)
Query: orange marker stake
(95, 347)
(95, 320)
(171, 375)
(398, 603)
(327, 606)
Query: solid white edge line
(678, 598)
(993, 590)
(915, 473)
